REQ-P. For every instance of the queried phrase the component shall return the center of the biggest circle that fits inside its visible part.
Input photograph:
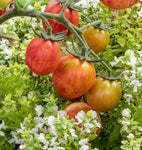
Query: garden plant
(70, 75)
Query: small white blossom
(84, 147)
(130, 136)
(132, 60)
(34, 131)
(98, 125)
(93, 113)
(128, 98)
(72, 131)
(56, 108)
(86, 3)
(83, 141)
(22, 147)
(2, 133)
(51, 120)
(126, 111)
(136, 84)
(125, 122)
(66, 136)
(53, 141)
(40, 122)
(2, 125)
(61, 113)
(38, 110)
(79, 116)
(22, 128)
(116, 61)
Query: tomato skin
(104, 95)
(55, 7)
(97, 38)
(2, 12)
(42, 56)
(72, 77)
(119, 4)
(75, 107)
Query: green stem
(17, 11)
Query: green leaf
(121, 41)
(137, 115)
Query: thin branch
(9, 38)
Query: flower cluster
(130, 131)
(56, 131)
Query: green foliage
(22, 91)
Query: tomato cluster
(72, 77)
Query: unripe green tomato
(97, 38)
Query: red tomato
(104, 95)
(75, 107)
(72, 77)
(55, 7)
(119, 4)
(97, 38)
(42, 56)
(2, 12)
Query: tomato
(4, 3)
(75, 107)
(55, 7)
(97, 38)
(42, 56)
(119, 4)
(2, 12)
(72, 77)
(104, 95)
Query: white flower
(98, 125)
(40, 122)
(86, 3)
(132, 58)
(83, 141)
(2, 125)
(53, 141)
(2, 133)
(93, 113)
(136, 84)
(34, 131)
(128, 98)
(130, 136)
(139, 13)
(79, 116)
(61, 113)
(96, 149)
(140, 70)
(22, 147)
(116, 61)
(84, 147)
(22, 128)
(56, 108)
(38, 110)
(126, 111)
(125, 122)
(51, 120)
(88, 126)
(66, 136)
(72, 131)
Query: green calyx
(47, 35)
(85, 55)
(72, 5)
